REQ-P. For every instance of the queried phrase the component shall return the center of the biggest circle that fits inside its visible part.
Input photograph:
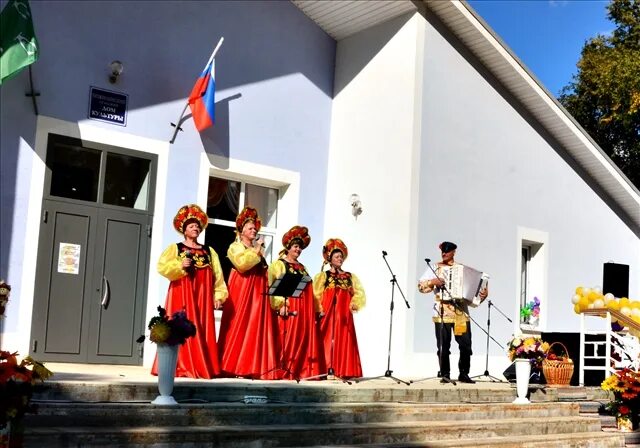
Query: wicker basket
(558, 372)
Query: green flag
(18, 43)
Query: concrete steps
(311, 414)
(299, 435)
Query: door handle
(106, 293)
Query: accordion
(463, 283)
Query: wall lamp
(116, 68)
(356, 205)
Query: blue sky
(547, 35)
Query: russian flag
(202, 98)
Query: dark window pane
(223, 199)
(265, 200)
(74, 171)
(127, 181)
(220, 237)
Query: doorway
(93, 253)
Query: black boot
(464, 378)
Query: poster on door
(69, 258)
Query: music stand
(290, 285)
(331, 373)
(388, 372)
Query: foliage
(625, 385)
(16, 385)
(604, 96)
(527, 347)
(171, 331)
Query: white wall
(486, 172)
(372, 153)
(273, 109)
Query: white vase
(523, 372)
(167, 361)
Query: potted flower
(625, 386)
(169, 333)
(17, 380)
(525, 351)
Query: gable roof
(341, 19)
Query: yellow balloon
(579, 290)
(635, 304)
(614, 305)
(576, 308)
(583, 303)
(624, 302)
(636, 318)
(593, 296)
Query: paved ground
(115, 374)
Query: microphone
(384, 253)
(428, 260)
(190, 269)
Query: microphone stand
(394, 283)
(486, 374)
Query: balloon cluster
(590, 298)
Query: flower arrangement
(530, 312)
(172, 330)
(528, 347)
(625, 385)
(16, 385)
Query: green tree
(604, 96)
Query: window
(532, 284)
(98, 174)
(225, 199)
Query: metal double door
(91, 282)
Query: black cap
(447, 246)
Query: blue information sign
(108, 106)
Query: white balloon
(625, 310)
(575, 299)
(597, 289)
(635, 312)
(608, 297)
(598, 303)
(586, 291)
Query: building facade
(422, 113)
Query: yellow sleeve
(358, 299)
(220, 293)
(318, 285)
(241, 257)
(170, 265)
(276, 269)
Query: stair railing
(621, 349)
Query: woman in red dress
(341, 295)
(302, 355)
(248, 331)
(197, 286)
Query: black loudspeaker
(615, 279)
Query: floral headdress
(296, 234)
(187, 213)
(248, 214)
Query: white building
(416, 107)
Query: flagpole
(213, 55)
